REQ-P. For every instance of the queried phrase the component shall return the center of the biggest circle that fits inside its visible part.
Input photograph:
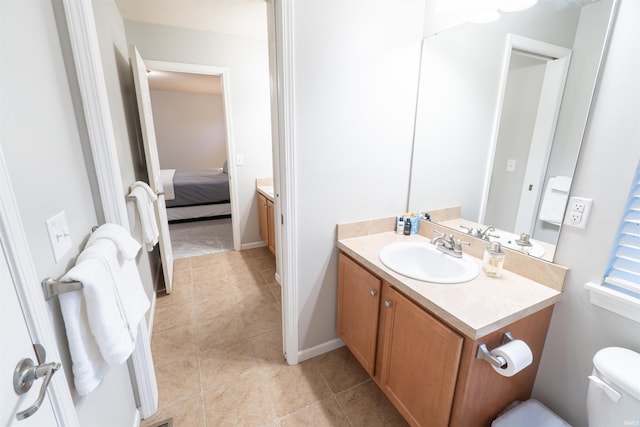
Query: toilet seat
(529, 414)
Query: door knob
(373, 292)
(388, 303)
(24, 376)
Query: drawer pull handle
(388, 303)
(373, 292)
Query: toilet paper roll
(517, 354)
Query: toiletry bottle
(407, 226)
(400, 225)
(493, 260)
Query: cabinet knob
(373, 292)
(388, 303)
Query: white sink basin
(422, 261)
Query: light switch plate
(59, 235)
(511, 165)
(239, 159)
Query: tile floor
(217, 349)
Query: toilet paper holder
(485, 354)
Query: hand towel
(88, 366)
(106, 313)
(144, 198)
(554, 200)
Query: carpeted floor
(196, 238)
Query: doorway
(195, 147)
(531, 89)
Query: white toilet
(613, 398)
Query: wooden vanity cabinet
(418, 360)
(428, 370)
(358, 307)
(266, 222)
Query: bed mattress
(199, 187)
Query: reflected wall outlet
(578, 212)
(59, 235)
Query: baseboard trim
(253, 245)
(319, 349)
(136, 419)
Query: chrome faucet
(480, 233)
(448, 244)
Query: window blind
(623, 272)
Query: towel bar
(52, 287)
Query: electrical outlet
(578, 211)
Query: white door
(17, 345)
(153, 162)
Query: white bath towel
(144, 198)
(554, 199)
(105, 315)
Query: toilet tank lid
(621, 367)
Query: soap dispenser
(493, 260)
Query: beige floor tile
(181, 293)
(244, 402)
(174, 316)
(174, 344)
(255, 296)
(325, 413)
(187, 413)
(294, 387)
(220, 330)
(340, 369)
(276, 291)
(227, 363)
(207, 274)
(181, 264)
(224, 303)
(366, 406)
(263, 318)
(178, 380)
(209, 260)
(267, 348)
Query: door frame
(285, 171)
(224, 74)
(543, 134)
(34, 308)
(83, 37)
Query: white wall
(190, 129)
(248, 64)
(356, 71)
(44, 153)
(607, 163)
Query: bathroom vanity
(419, 340)
(264, 190)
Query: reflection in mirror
(473, 146)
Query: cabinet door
(358, 306)
(419, 361)
(271, 227)
(262, 218)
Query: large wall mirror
(501, 112)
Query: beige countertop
(264, 186)
(474, 308)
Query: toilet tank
(614, 388)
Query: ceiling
(244, 18)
